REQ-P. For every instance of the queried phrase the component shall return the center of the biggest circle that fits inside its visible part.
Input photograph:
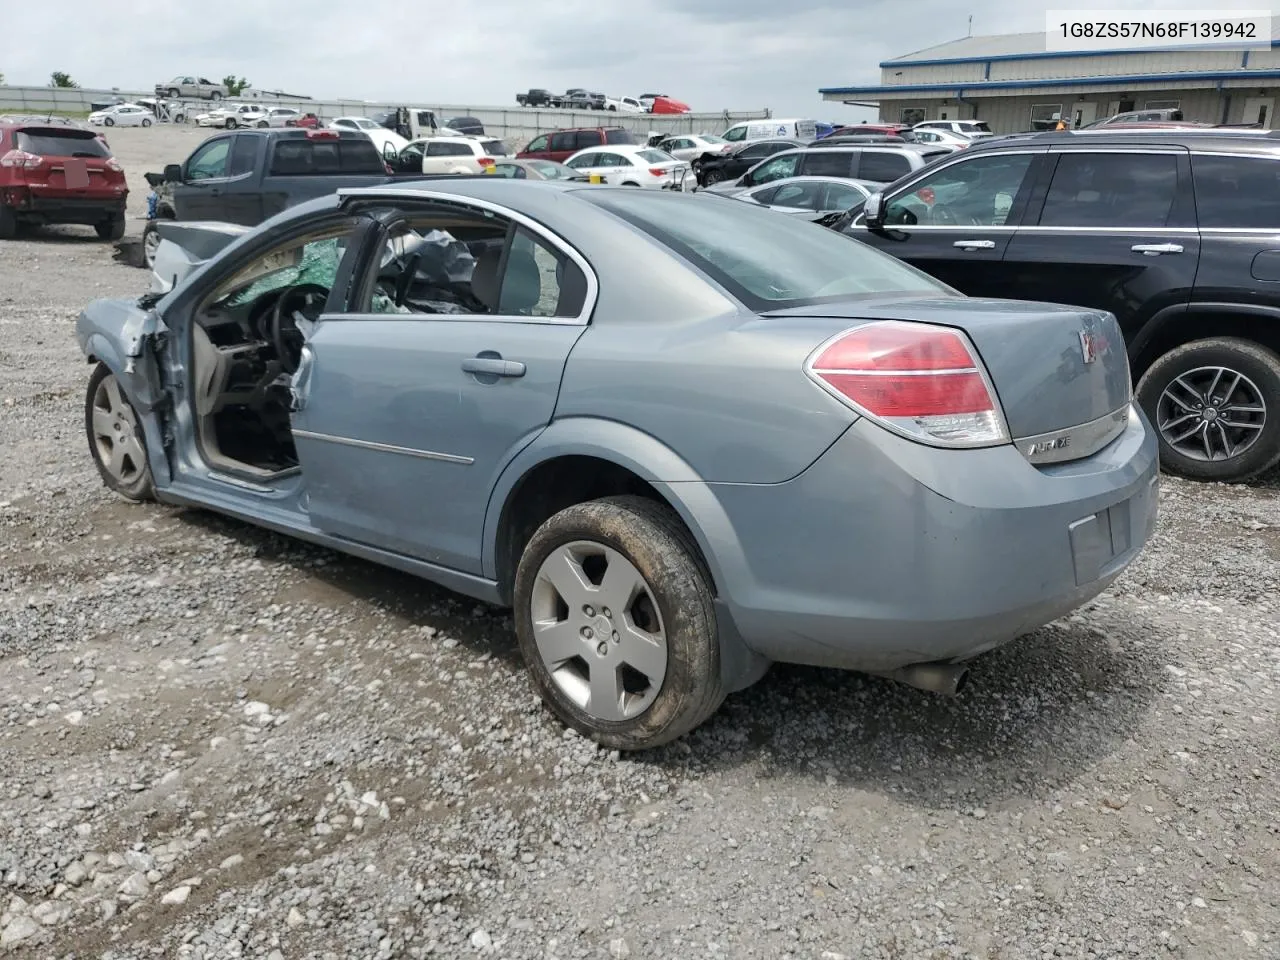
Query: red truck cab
(669, 105)
(51, 173)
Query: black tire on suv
(1215, 404)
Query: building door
(1083, 113)
(944, 113)
(1259, 110)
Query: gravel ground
(216, 742)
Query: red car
(668, 105)
(308, 120)
(560, 145)
(51, 173)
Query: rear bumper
(886, 552)
(55, 209)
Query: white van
(768, 129)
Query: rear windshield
(977, 125)
(302, 158)
(617, 136)
(654, 156)
(47, 143)
(494, 148)
(768, 262)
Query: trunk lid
(1053, 367)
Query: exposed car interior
(248, 336)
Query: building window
(1163, 105)
(1045, 116)
(912, 115)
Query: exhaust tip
(946, 679)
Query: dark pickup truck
(537, 97)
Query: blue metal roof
(1126, 80)
(1045, 55)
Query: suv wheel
(215, 95)
(8, 223)
(174, 93)
(614, 616)
(112, 229)
(115, 437)
(1216, 406)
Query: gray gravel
(217, 743)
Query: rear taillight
(21, 159)
(113, 165)
(486, 161)
(921, 381)
(323, 135)
(658, 171)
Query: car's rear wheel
(615, 618)
(112, 229)
(146, 122)
(115, 437)
(215, 95)
(8, 223)
(1216, 406)
(150, 244)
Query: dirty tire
(652, 538)
(112, 229)
(1259, 364)
(142, 487)
(8, 223)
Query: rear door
(407, 411)
(563, 145)
(1114, 230)
(956, 222)
(242, 193)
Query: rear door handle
(975, 244)
(1155, 249)
(493, 367)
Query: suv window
(828, 163)
(243, 154)
(1112, 190)
(617, 136)
(298, 157)
(210, 161)
(882, 166)
(537, 144)
(46, 143)
(586, 138)
(566, 141)
(977, 192)
(774, 169)
(1237, 192)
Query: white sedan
(941, 138)
(234, 115)
(627, 165)
(689, 147)
(375, 131)
(123, 115)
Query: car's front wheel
(714, 177)
(146, 122)
(1216, 406)
(115, 437)
(615, 618)
(231, 123)
(174, 93)
(108, 122)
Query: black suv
(1177, 233)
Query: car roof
(1231, 141)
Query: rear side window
(1237, 192)
(883, 167)
(617, 136)
(586, 138)
(303, 158)
(567, 141)
(494, 148)
(1111, 190)
(50, 144)
(828, 163)
(244, 152)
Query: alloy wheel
(116, 435)
(598, 630)
(1211, 413)
(150, 244)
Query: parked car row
(578, 98)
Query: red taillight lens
(21, 159)
(658, 171)
(323, 135)
(921, 381)
(114, 165)
(486, 161)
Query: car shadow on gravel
(1033, 716)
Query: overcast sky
(713, 54)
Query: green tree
(234, 87)
(60, 79)
(1, 78)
